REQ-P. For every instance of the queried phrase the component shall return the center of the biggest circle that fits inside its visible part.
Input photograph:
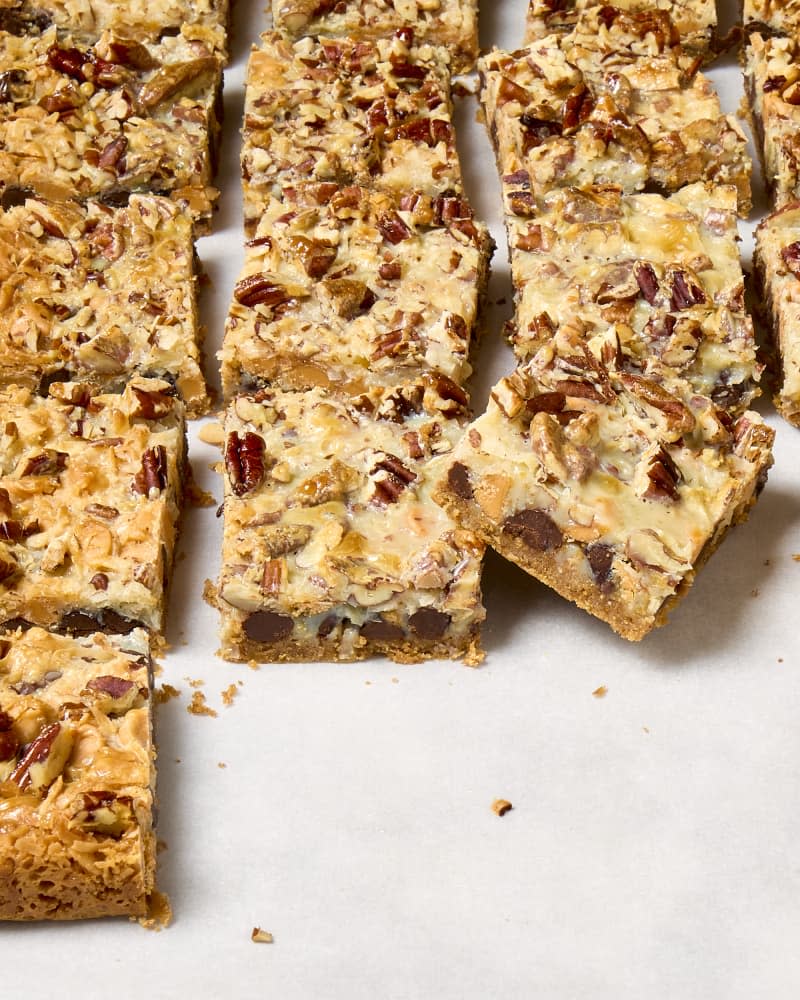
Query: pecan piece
(48, 463)
(167, 81)
(578, 107)
(128, 52)
(44, 759)
(244, 461)
(664, 476)
(647, 281)
(535, 528)
(153, 473)
(69, 61)
(260, 289)
(5, 503)
(389, 487)
(112, 156)
(791, 258)
(315, 255)
(678, 415)
(392, 227)
(685, 293)
(390, 270)
(151, 405)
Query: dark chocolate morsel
(601, 558)
(268, 626)
(380, 629)
(458, 481)
(535, 528)
(428, 623)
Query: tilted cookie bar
(452, 24)
(563, 115)
(772, 82)
(201, 20)
(372, 113)
(352, 286)
(95, 293)
(776, 261)
(606, 486)
(91, 486)
(694, 21)
(122, 116)
(77, 776)
(656, 281)
(332, 547)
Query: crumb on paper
(211, 433)
(645, 730)
(166, 693)
(754, 592)
(221, 764)
(780, 659)
(178, 760)
(367, 683)
(501, 806)
(196, 683)
(261, 937)
(229, 694)
(199, 706)
(600, 692)
(395, 680)
(159, 912)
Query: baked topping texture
(332, 546)
(96, 293)
(91, 487)
(346, 287)
(608, 487)
(77, 776)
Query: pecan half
(679, 416)
(44, 758)
(260, 289)
(48, 463)
(244, 461)
(112, 156)
(664, 476)
(647, 281)
(389, 487)
(151, 405)
(153, 473)
(685, 292)
(69, 61)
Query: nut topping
(44, 759)
(244, 461)
(153, 474)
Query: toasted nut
(168, 80)
(44, 759)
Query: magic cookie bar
(91, 486)
(77, 776)
(633, 122)
(694, 20)
(772, 81)
(776, 261)
(203, 20)
(452, 24)
(122, 116)
(606, 486)
(372, 113)
(332, 547)
(355, 286)
(657, 281)
(781, 17)
(95, 293)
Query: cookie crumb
(261, 937)
(395, 680)
(196, 683)
(166, 693)
(221, 764)
(600, 692)
(199, 706)
(796, 556)
(229, 694)
(212, 433)
(754, 592)
(501, 806)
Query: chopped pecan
(48, 463)
(168, 80)
(405, 70)
(153, 473)
(260, 289)
(102, 511)
(791, 258)
(392, 227)
(115, 687)
(664, 476)
(128, 52)
(112, 156)
(44, 759)
(244, 461)
(647, 281)
(272, 576)
(685, 293)
(546, 402)
(679, 416)
(507, 91)
(390, 270)
(774, 83)
(151, 405)
(536, 131)
(69, 61)
(389, 487)
(578, 107)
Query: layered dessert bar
(656, 282)
(772, 82)
(91, 486)
(562, 114)
(691, 23)
(610, 488)
(336, 110)
(781, 17)
(776, 261)
(452, 24)
(95, 293)
(352, 286)
(202, 20)
(118, 117)
(77, 776)
(332, 546)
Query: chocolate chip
(326, 626)
(601, 558)
(535, 528)
(428, 623)
(13, 196)
(108, 621)
(458, 481)
(380, 629)
(268, 626)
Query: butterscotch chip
(91, 486)
(501, 806)
(77, 776)
(615, 489)
(345, 556)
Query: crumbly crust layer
(116, 117)
(608, 487)
(95, 293)
(452, 24)
(776, 261)
(376, 114)
(348, 287)
(654, 281)
(332, 546)
(91, 487)
(77, 776)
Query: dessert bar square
(372, 113)
(449, 23)
(351, 286)
(604, 485)
(77, 776)
(96, 293)
(657, 281)
(776, 261)
(121, 116)
(91, 486)
(332, 547)
(771, 16)
(566, 114)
